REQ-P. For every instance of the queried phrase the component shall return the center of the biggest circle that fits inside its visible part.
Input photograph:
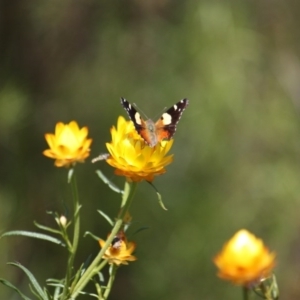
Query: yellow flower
(68, 144)
(120, 250)
(244, 259)
(132, 157)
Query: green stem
(129, 192)
(110, 282)
(245, 293)
(101, 266)
(73, 249)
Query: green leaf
(35, 235)
(46, 228)
(70, 174)
(106, 217)
(158, 196)
(57, 292)
(101, 277)
(58, 287)
(89, 294)
(8, 284)
(32, 290)
(92, 235)
(78, 275)
(77, 210)
(47, 293)
(32, 279)
(110, 184)
(54, 280)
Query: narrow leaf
(158, 196)
(76, 277)
(8, 284)
(110, 184)
(46, 228)
(47, 293)
(32, 290)
(106, 217)
(101, 277)
(54, 280)
(35, 235)
(92, 235)
(32, 279)
(57, 292)
(77, 210)
(70, 174)
(90, 294)
(160, 201)
(57, 284)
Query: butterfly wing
(133, 114)
(166, 125)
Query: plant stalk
(128, 195)
(76, 233)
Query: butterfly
(163, 129)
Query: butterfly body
(163, 129)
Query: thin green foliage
(35, 235)
(158, 196)
(32, 279)
(110, 184)
(106, 217)
(8, 284)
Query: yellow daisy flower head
(68, 145)
(244, 259)
(120, 250)
(132, 157)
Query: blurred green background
(237, 146)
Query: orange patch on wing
(162, 134)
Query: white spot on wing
(175, 107)
(167, 119)
(137, 118)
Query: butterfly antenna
(135, 105)
(160, 114)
